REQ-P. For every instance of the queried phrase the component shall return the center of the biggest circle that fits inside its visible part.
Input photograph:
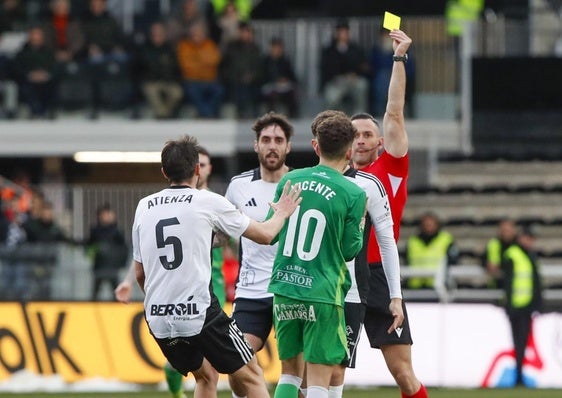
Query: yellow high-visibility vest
(522, 282)
(458, 12)
(429, 256)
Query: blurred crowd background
(490, 70)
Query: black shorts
(354, 315)
(378, 317)
(254, 316)
(220, 341)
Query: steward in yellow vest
(430, 249)
(522, 285)
(458, 12)
(495, 248)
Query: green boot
(174, 380)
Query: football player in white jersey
(207, 377)
(251, 192)
(172, 237)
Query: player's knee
(398, 369)
(206, 375)
(250, 373)
(404, 377)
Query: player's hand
(289, 200)
(395, 308)
(123, 292)
(400, 42)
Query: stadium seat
(74, 90)
(115, 87)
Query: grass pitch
(348, 393)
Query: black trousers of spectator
(520, 330)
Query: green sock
(286, 391)
(174, 380)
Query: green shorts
(315, 329)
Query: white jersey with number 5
(172, 237)
(252, 195)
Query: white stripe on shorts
(240, 343)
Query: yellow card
(391, 21)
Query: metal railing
(61, 272)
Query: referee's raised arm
(394, 129)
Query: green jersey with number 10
(323, 233)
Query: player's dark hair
(203, 151)
(179, 158)
(365, 116)
(273, 118)
(323, 116)
(335, 135)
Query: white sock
(304, 391)
(236, 396)
(317, 392)
(290, 379)
(335, 391)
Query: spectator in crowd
(63, 33)
(43, 228)
(107, 245)
(495, 249)
(280, 80)
(19, 190)
(523, 293)
(34, 66)
(8, 87)
(4, 224)
(381, 63)
(15, 273)
(181, 21)
(242, 70)
(103, 37)
(431, 248)
(41, 233)
(12, 15)
(104, 50)
(228, 22)
(199, 58)
(243, 7)
(343, 67)
(160, 74)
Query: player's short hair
(203, 151)
(323, 116)
(179, 158)
(365, 116)
(335, 135)
(273, 118)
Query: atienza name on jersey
(164, 200)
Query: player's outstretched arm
(266, 231)
(124, 290)
(395, 137)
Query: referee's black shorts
(220, 341)
(378, 317)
